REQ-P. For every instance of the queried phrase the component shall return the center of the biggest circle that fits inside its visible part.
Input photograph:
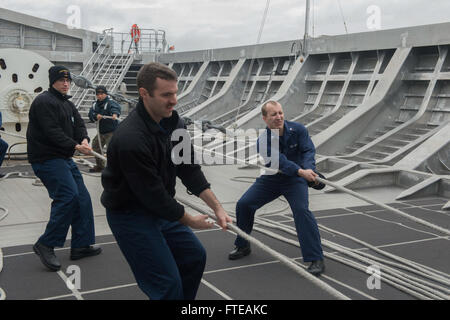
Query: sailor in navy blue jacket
(285, 146)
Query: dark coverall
(106, 127)
(296, 151)
(54, 129)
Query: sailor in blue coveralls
(297, 165)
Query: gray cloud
(203, 24)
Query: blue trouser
(295, 190)
(3, 149)
(71, 205)
(166, 258)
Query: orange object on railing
(135, 33)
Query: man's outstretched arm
(210, 199)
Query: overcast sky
(204, 24)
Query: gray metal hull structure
(53, 40)
(377, 107)
(368, 99)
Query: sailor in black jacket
(150, 226)
(55, 131)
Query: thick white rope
(401, 284)
(340, 188)
(327, 182)
(405, 264)
(357, 254)
(426, 288)
(422, 294)
(392, 209)
(294, 266)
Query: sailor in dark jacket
(150, 226)
(3, 147)
(55, 131)
(295, 155)
(104, 106)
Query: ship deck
(258, 276)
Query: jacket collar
(100, 103)
(169, 124)
(287, 129)
(58, 94)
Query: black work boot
(316, 267)
(79, 253)
(239, 252)
(47, 256)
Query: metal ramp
(261, 83)
(424, 107)
(264, 81)
(415, 110)
(361, 77)
(217, 74)
(229, 89)
(432, 156)
(186, 74)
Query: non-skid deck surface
(258, 276)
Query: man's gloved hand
(316, 184)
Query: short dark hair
(147, 75)
(264, 107)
